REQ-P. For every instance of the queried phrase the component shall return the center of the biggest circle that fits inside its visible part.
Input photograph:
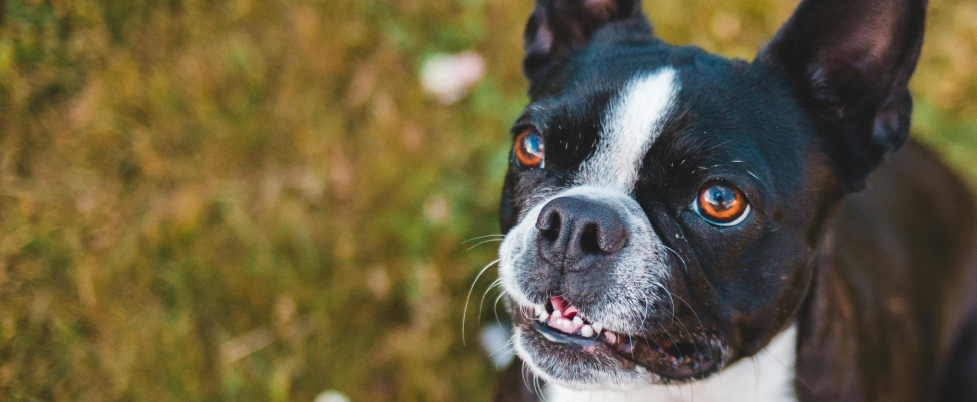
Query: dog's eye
(529, 149)
(721, 204)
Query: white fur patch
(639, 265)
(768, 377)
(631, 126)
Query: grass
(254, 199)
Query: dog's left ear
(559, 28)
(851, 61)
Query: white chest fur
(768, 377)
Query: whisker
(464, 314)
(495, 283)
(482, 237)
(670, 298)
(500, 348)
(735, 161)
(684, 265)
(631, 341)
(483, 242)
(536, 388)
(542, 392)
(526, 375)
(495, 307)
(702, 328)
(669, 334)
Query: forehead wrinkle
(633, 122)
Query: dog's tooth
(577, 321)
(598, 327)
(587, 331)
(544, 316)
(557, 314)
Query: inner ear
(851, 61)
(849, 51)
(559, 28)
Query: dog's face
(663, 205)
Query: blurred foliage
(254, 200)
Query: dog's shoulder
(900, 259)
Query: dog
(683, 226)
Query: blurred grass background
(255, 199)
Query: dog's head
(663, 204)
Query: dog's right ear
(558, 28)
(850, 62)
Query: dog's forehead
(632, 120)
(608, 109)
(601, 124)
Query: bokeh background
(253, 200)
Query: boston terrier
(681, 226)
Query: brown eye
(721, 204)
(529, 149)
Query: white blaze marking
(633, 122)
(631, 126)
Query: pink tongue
(558, 303)
(565, 322)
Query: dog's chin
(612, 360)
(573, 363)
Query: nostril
(589, 241)
(575, 232)
(549, 224)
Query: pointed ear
(851, 61)
(559, 28)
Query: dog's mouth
(560, 329)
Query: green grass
(254, 200)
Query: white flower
(331, 396)
(449, 77)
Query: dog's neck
(769, 377)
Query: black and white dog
(678, 225)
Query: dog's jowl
(682, 226)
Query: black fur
(882, 291)
(557, 29)
(851, 62)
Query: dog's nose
(575, 233)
